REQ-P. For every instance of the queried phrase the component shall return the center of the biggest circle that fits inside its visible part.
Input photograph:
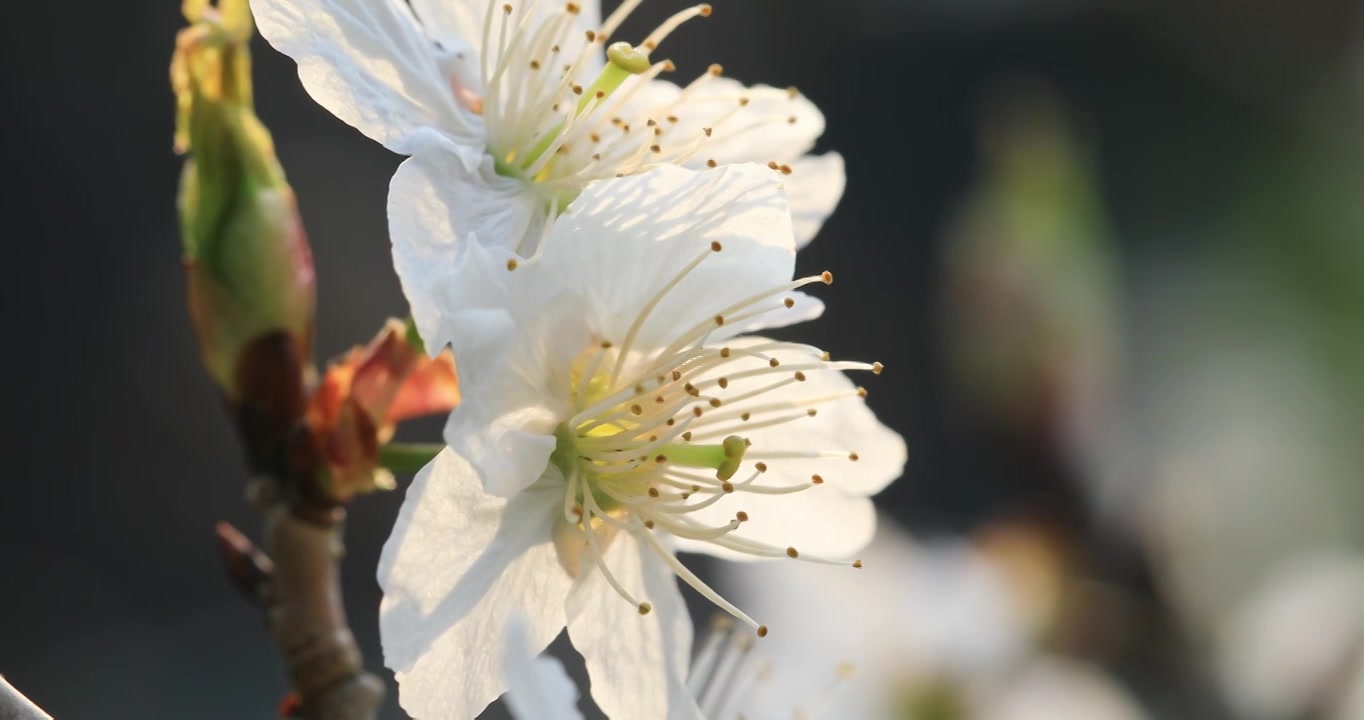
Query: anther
(857, 564)
(825, 356)
(591, 36)
(760, 467)
(691, 390)
(791, 120)
(723, 383)
(715, 402)
(745, 417)
(677, 375)
(636, 410)
(800, 376)
(741, 516)
(827, 277)
(711, 163)
(789, 302)
(705, 10)
(687, 436)
(644, 608)
(649, 524)
(724, 352)
(743, 102)
(715, 246)
(511, 264)
(812, 412)
(577, 89)
(716, 70)
(773, 362)
(719, 320)
(534, 64)
(696, 410)
(853, 457)
(792, 552)
(785, 169)
(727, 486)
(708, 131)
(656, 148)
(672, 119)
(817, 479)
(507, 8)
(650, 122)
(861, 392)
(772, 164)
(762, 631)
(660, 459)
(571, 9)
(653, 492)
(876, 368)
(792, 92)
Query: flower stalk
(312, 443)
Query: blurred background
(1110, 252)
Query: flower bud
(249, 268)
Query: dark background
(119, 461)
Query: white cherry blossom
(614, 413)
(526, 102)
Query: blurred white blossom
(936, 630)
(1296, 645)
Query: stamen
(674, 22)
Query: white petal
(458, 564)
(845, 425)
(460, 22)
(833, 518)
(805, 307)
(814, 187)
(624, 240)
(436, 208)
(760, 131)
(537, 687)
(370, 64)
(829, 525)
(637, 663)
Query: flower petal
(762, 131)
(814, 188)
(537, 687)
(623, 241)
(458, 564)
(370, 64)
(436, 207)
(758, 124)
(637, 663)
(833, 518)
(460, 22)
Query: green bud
(249, 267)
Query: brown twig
(296, 579)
